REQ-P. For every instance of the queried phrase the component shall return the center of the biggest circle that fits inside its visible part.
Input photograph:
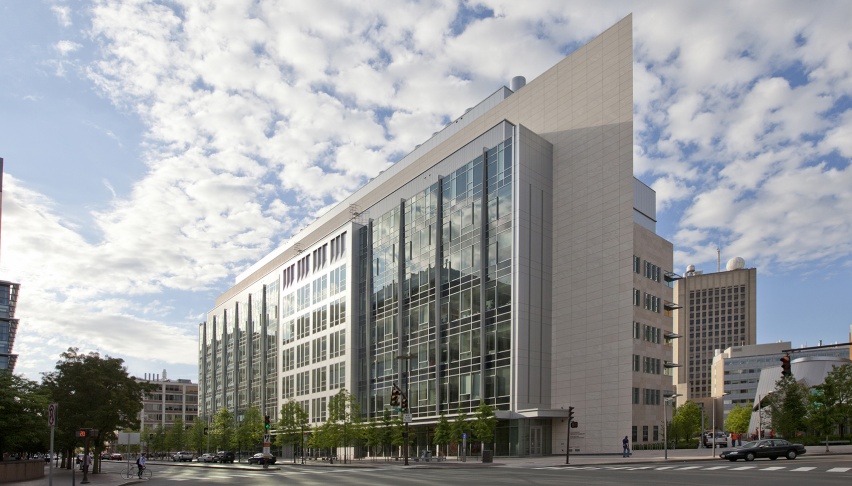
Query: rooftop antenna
(718, 259)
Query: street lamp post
(666, 402)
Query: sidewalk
(62, 477)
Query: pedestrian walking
(625, 444)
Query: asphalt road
(693, 467)
(816, 471)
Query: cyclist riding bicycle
(140, 462)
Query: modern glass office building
(510, 259)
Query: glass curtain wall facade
(8, 323)
(470, 213)
(239, 349)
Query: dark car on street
(261, 458)
(225, 456)
(771, 448)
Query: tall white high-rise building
(716, 311)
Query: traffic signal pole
(568, 440)
(395, 395)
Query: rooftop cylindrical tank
(517, 83)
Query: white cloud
(733, 130)
(65, 46)
(63, 14)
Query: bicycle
(132, 472)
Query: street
(817, 471)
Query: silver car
(207, 457)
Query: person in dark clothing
(625, 444)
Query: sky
(155, 149)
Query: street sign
(51, 414)
(265, 438)
(406, 418)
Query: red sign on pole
(51, 414)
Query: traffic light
(404, 405)
(266, 422)
(81, 433)
(395, 392)
(571, 418)
(785, 366)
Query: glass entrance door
(535, 440)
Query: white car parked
(183, 456)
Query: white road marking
(839, 469)
(802, 469)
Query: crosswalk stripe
(638, 468)
(742, 468)
(839, 469)
(773, 468)
(802, 469)
(715, 468)
(664, 468)
(688, 468)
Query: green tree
(23, 415)
(176, 436)
(325, 437)
(291, 426)
(250, 430)
(460, 427)
(443, 434)
(686, 421)
(196, 439)
(93, 392)
(788, 406)
(837, 394)
(344, 413)
(483, 425)
(388, 432)
(372, 435)
(158, 443)
(821, 413)
(738, 419)
(223, 429)
(397, 433)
